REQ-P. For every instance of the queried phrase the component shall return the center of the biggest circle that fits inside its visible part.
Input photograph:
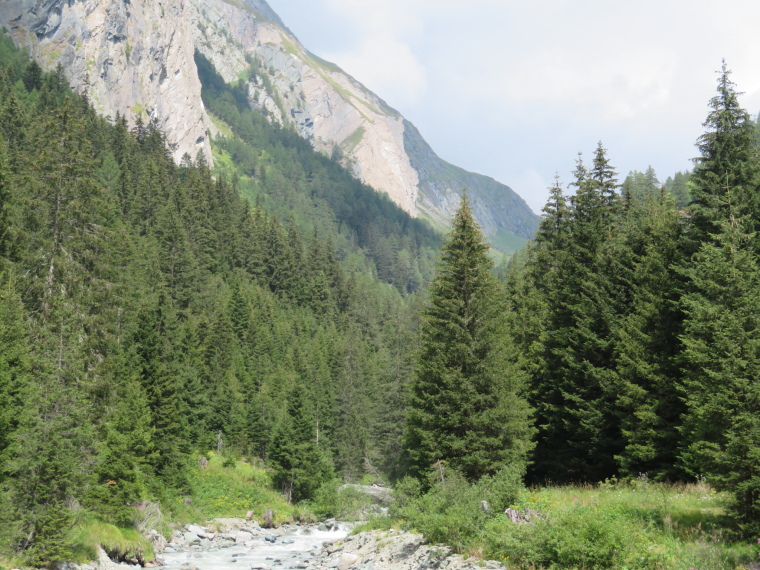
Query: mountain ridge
(138, 58)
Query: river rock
(195, 529)
(243, 536)
(380, 550)
(347, 560)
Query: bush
(578, 537)
(332, 501)
(406, 491)
(502, 489)
(450, 512)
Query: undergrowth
(122, 544)
(625, 525)
(230, 489)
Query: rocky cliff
(136, 57)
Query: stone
(195, 529)
(347, 560)
(243, 536)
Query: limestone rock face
(133, 57)
(137, 57)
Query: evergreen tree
(646, 346)
(467, 403)
(571, 360)
(727, 161)
(124, 465)
(302, 466)
(721, 356)
(15, 366)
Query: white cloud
(528, 84)
(533, 188)
(387, 66)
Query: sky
(515, 89)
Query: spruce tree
(649, 404)
(467, 405)
(571, 374)
(15, 365)
(727, 160)
(721, 355)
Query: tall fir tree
(571, 360)
(727, 161)
(649, 405)
(467, 405)
(721, 358)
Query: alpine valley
(229, 312)
(139, 58)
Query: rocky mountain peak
(137, 58)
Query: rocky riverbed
(237, 544)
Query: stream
(292, 547)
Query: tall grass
(634, 525)
(119, 543)
(230, 488)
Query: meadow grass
(118, 543)
(625, 525)
(230, 488)
(621, 525)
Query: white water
(306, 541)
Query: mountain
(137, 57)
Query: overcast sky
(515, 89)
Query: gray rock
(195, 529)
(347, 560)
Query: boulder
(347, 560)
(243, 536)
(195, 529)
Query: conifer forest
(274, 308)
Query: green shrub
(406, 491)
(503, 489)
(450, 512)
(582, 536)
(333, 501)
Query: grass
(223, 128)
(506, 242)
(631, 525)
(353, 140)
(617, 525)
(220, 491)
(118, 543)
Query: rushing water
(290, 550)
